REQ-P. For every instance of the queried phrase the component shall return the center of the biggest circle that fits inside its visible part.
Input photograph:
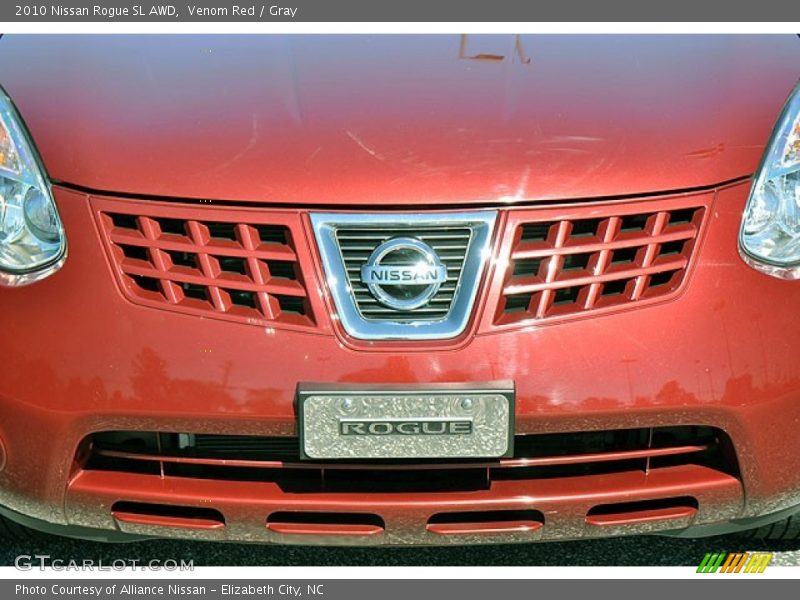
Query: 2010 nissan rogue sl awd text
(399, 289)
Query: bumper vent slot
(310, 523)
(646, 511)
(485, 522)
(167, 515)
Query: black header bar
(474, 11)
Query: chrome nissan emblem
(403, 273)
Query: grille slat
(349, 235)
(365, 299)
(447, 286)
(526, 250)
(370, 302)
(584, 279)
(173, 243)
(283, 287)
(357, 270)
(351, 257)
(444, 246)
(427, 310)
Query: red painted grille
(254, 265)
(232, 264)
(564, 263)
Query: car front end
(322, 290)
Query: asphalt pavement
(634, 551)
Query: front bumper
(80, 358)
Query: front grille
(231, 264)
(595, 259)
(256, 266)
(357, 244)
(277, 459)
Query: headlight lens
(32, 242)
(770, 235)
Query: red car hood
(398, 120)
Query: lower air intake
(277, 459)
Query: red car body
(268, 130)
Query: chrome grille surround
(346, 240)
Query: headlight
(32, 242)
(770, 235)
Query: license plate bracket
(383, 422)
